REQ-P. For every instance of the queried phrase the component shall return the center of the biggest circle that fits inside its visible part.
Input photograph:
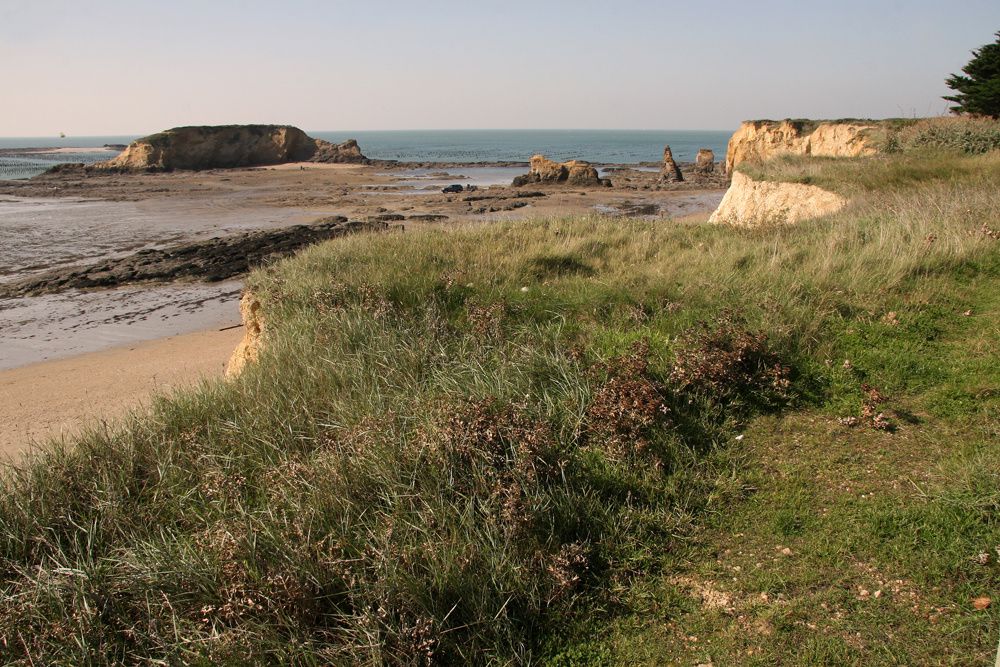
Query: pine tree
(979, 90)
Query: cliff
(749, 202)
(226, 146)
(759, 140)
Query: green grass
(899, 175)
(518, 443)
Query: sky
(107, 67)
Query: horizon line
(439, 129)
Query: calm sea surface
(617, 146)
(601, 146)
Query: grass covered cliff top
(931, 152)
(567, 442)
(808, 125)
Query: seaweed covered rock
(209, 260)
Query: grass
(555, 442)
(885, 176)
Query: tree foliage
(978, 91)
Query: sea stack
(670, 172)
(704, 163)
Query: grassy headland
(566, 441)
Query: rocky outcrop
(347, 152)
(761, 140)
(704, 162)
(249, 347)
(748, 202)
(669, 171)
(210, 260)
(575, 172)
(227, 146)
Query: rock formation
(748, 202)
(574, 172)
(704, 162)
(226, 146)
(670, 172)
(253, 328)
(760, 140)
(347, 152)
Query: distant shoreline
(479, 147)
(63, 150)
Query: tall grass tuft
(965, 134)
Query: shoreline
(58, 150)
(52, 399)
(379, 163)
(76, 229)
(49, 327)
(73, 356)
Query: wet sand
(38, 233)
(58, 398)
(40, 328)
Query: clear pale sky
(132, 67)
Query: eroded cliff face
(760, 140)
(249, 348)
(227, 146)
(748, 202)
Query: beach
(69, 355)
(60, 398)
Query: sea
(598, 146)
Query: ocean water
(600, 146)
(64, 142)
(30, 164)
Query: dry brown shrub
(499, 450)
(566, 569)
(628, 404)
(870, 414)
(725, 361)
(487, 321)
(339, 297)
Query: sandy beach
(58, 398)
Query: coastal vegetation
(564, 441)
